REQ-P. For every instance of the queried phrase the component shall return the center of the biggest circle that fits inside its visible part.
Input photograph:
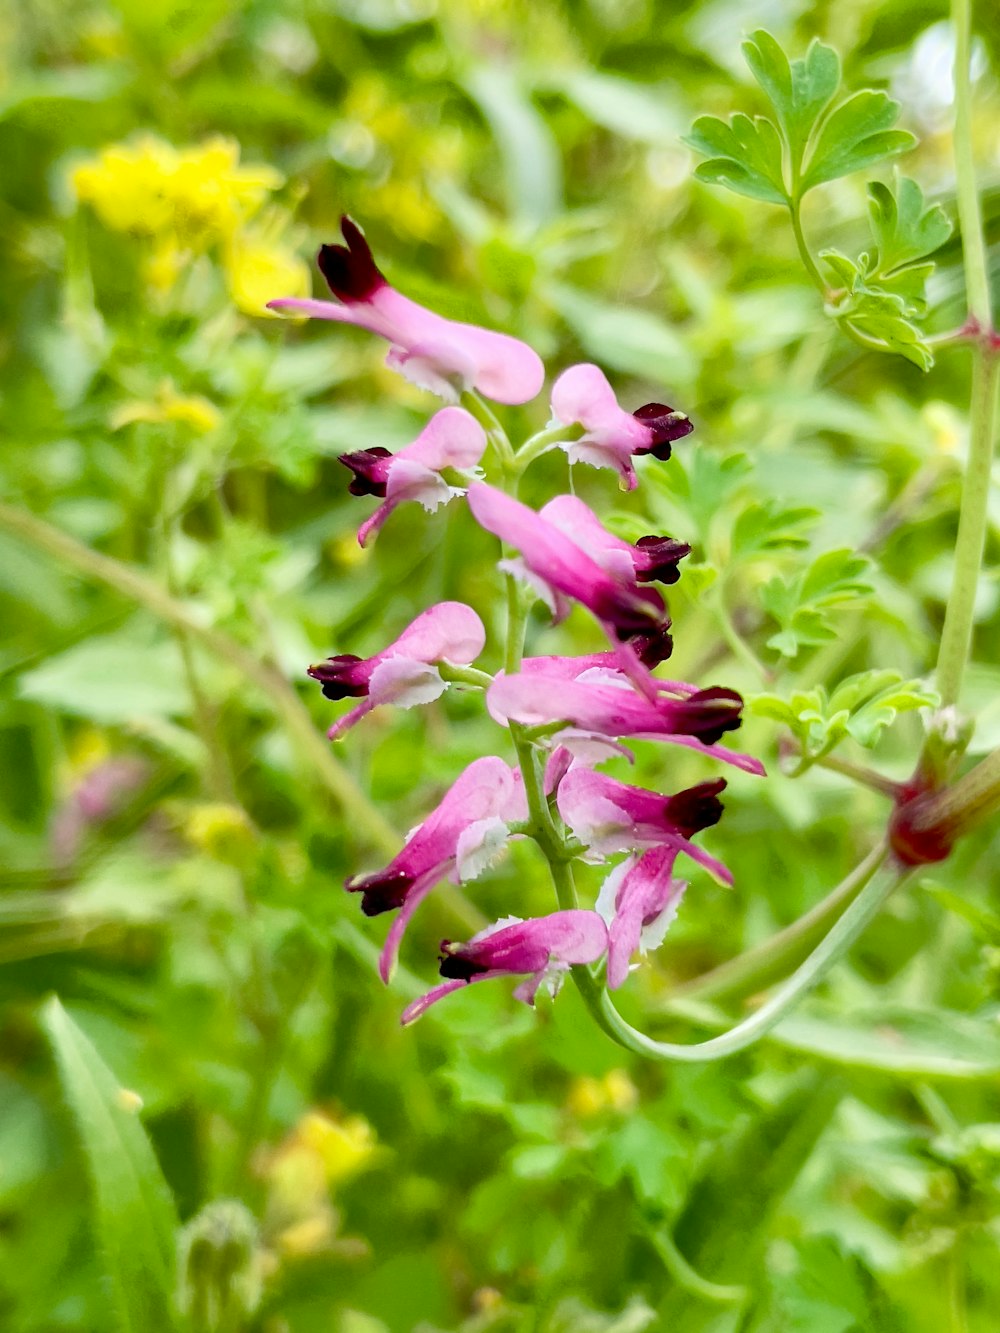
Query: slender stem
(464, 675)
(956, 635)
(736, 643)
(805, 254)
(970, 219)
(137, 586)
(828, 952)
(545, 439)
(517, 622)
(967, 801)
(495, 433)
(866, 777)
(776, 956)
(688, 1278)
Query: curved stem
(828, 952)
(545, 439)
(688, 1278)
(495, 433)
(805, 254)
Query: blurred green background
(174, 829)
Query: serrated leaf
(134, 1221)
(745, 156)
(856, 135)
(903, 229)
(799, 90)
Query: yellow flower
(220, 830)
(589, 1097)
(257, 266)
(191, 410)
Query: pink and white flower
(459, 839)
(544, 948)
(406, 672)
(442, 355)
(451, 439)
(582, 396)
(649, 560)
(608, 816)
(638, 900)
(558, 567)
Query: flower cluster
(565, 715)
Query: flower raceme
(544, 949)
(611, 436)
(407, 671)
(442, 355)
(452, 439)
(460, 838)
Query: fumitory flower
(639, 899)
(451, 439)
(649, 560)
(558, 567)
(459, 839)
(608, 816)
(406, 672)
(435, 353)
(544, 948)
(611, 436)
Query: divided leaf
(745, 156)
(763, 527)
(800, 90)
(904, 230)
(800, 605)
(855, 135)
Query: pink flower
(406, 672)
(608, 816)
(650, 560)
(604, 708)
(544, 948)
(558, 567)
(464, 835)
(639, 899)
(435, 353)
(582, 396)
(451, 439)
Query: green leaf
(903, 229)
(531, 160)
(134, 1220)
(800, 604)
(764, 527)
(926, 1043)
(799, 90)
(635, 342)
(856, 135)
(745, 156)
(877, 309)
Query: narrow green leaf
(531, 160)
(927, 1043)
(856, 135)
(134, 1220)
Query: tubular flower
(451, 439)
(608, 816)
(638, 900)
(602, 709)
(406, 672)
(435, 353)
(649, 560)
(558, 567)
(582, 396)
(466, 832)
(544, 948)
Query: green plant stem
(827, 953)
(776, 956)
(966, 802)
(805, 254)
(688, 1278)
(736, 643)
(977, 285)
(495, 433)
(545, 439)
(864, 777)
(137, 586)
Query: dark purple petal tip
(340, 678)
(370, 470)
(717, 711)
(666, 426)
(456, 967)
(653, 646)
(350, 271)
(696, 808)
(658, 559)
(383, 892)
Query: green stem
(736, 643)
(463, 675)
(827, 953)
(805, 254)
(132, 583)
(966, 802)
(977, 285)
(495, 433)
(687, 1278)
(956, 635)
(775, 957)
(545, 439)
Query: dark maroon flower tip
(370, 470)
(350, 271)
(383, 892)
(456, 967)
(717, 710)
(659, 558)
(340, 678)
(653, 646)
(667, 426)
(696, 808)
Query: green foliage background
(519, 165)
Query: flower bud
(220, 1267)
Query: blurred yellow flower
(257, 266)
(220, 830)
(589, 1097)
(190, 410)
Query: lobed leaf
(745, 156)
(799, 90)
(903, 229)
(856, 135)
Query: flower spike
(544, 948)
(442, 355)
